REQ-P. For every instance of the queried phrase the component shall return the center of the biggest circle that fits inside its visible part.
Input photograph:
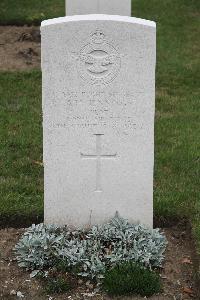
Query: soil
(177, 275)
(19, 48)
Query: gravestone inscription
(98, 119)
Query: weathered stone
(110, 7)
(98, 119)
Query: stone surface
(110, 7)
(98, 118)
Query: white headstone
(110, 7)
(98, 118)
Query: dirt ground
(19, 48)
(177, 275)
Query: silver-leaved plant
(93, 251)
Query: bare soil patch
(19, 48)
(177, 275)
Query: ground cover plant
(56, 285)
(89, 253)
(131, 279)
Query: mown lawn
(21, 173)
(177, 134)
(20, 12)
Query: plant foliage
(90, 252)
(57, 285)
(129, 278)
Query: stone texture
(110, 7)
(98, 118)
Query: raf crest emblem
(98, 61)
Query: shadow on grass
(20, 220)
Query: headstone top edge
(98, 17)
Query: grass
(177, 152)
(21, 173)
(20, 12)
(129, 278)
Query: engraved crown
(98, 37)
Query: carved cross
(98, 156)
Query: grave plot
(177, 276)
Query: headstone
(110, 7)
(98, 118)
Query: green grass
(20, 12)
(21, 175)
(177, 152)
